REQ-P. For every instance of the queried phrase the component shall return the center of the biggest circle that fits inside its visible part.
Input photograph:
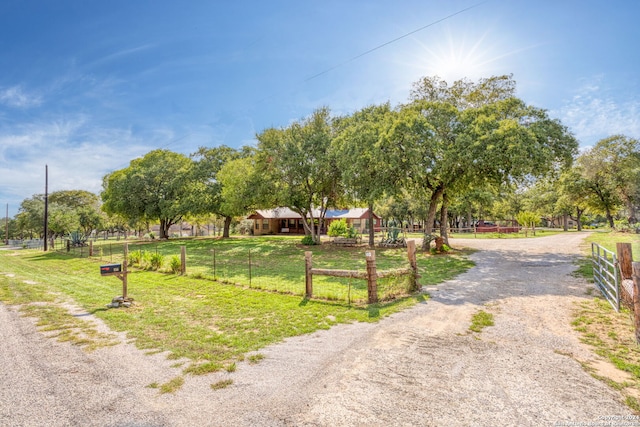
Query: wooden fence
(371, 275)
(630, 283)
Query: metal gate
(605, 274)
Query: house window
(356, 223)
(292, 223)
(265, 224)
(257, 225)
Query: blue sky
(86, 86)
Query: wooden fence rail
(629, 282)
(370, 274)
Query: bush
(135, 257)
(245, 226)
(352, 233)
(156, 261)
(337, 228)
(175, 264)
(77, 238)
(145, 260)
(308, 240)
(340, 228)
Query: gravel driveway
(419, 367)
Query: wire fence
(279, 267)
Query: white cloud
(595, 113)
(16, 97)
(77, 157)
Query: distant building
(285, 221)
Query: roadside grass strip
(612, 336)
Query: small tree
(528, 219)
(337, 228)
(340, 228)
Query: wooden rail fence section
(371, 275)
(630, 282)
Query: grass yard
(609, 239)
(277, 263)
(611, 334)
(206, 324)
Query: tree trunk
(633, 217)
(372, 235)
(164, 229)
(565, 221)
(431, 215)
(444, 220)
(610, 218)
(227, 227)
(579, 218)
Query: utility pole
(6, 235)
(46, 204)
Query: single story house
(285, 221)
(357, 218)
(276, 221)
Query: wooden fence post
(124, 271)
(183, 260)
(636, 298)
(308, 262)
(372, 277)
(625, 259)
(90, 248)
(411, 254)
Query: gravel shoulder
(417, 367)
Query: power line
(394, 40)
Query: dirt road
(418, 367)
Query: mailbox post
(120, 271)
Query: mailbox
(110, 269)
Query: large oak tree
(474, 134)
(299, 168)
(156, 187)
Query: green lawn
(608, 240)
(277, 263)
(210, 323)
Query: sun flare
(454, 54)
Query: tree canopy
(473, 134)
(299, 165)
(157, 186)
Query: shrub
(145, 260)
(352, 233)
(175, 264)
(340, 228)
(77, 238)
(135, 257)
(245, 226)
(337, 228)
(157, 260)
(308, 240)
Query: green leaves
(154, 187)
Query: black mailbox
(110, 269)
